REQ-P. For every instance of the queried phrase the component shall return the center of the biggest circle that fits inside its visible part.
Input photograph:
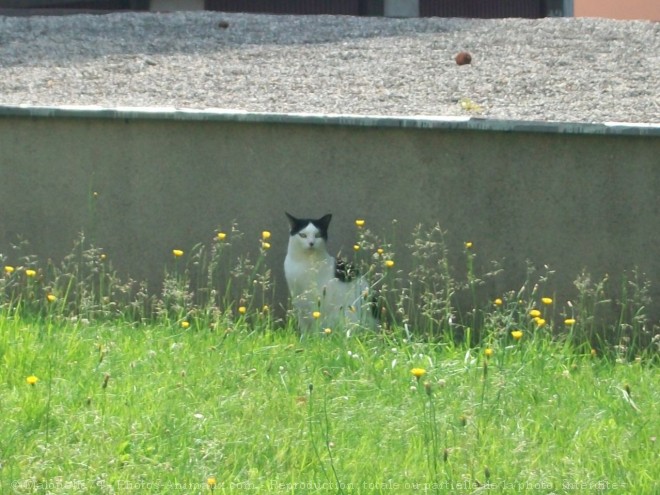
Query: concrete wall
(142, 184)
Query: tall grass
(203, 387)
(213, 282)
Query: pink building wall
(618, 9)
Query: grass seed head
(428, 388)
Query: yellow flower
(211, 482)
(9, 269)
(221, 236)
(418, 372)
(359, 223)
(380, 251)
(468, 245)
(30, 273)
(265, 245)
(316, 315)
(535, 313)
(103, 256)
(546, 300)
(389, 263)
(517, 334)
(569, 321)
(488, 352)
(497, 302)
(265, 309)
(32, 380)
(177, 253)
(594, 352)
(265, 235)
(327, 331)
(185, 324)
(51, 298)
(356, 247)
(242, 310)
(540, 322)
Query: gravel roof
(552, 69)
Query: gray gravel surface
(553, 69)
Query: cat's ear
(293, 221)
(324, 221)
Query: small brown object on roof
(463, 58)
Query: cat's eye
(304, 236)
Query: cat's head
(309, 234)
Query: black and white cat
(319, 282)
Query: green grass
(205, 387)
(125, 408)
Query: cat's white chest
(308, 275)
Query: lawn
(206, 387)
(239, 407)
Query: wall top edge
(382, 121)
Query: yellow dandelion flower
(594, 352)
(265, 235)
(380, 251)
(265, 245)
(546, 300)
(569, 321)
(356, 247)
(185, 324)
(32, 380)
(540, 322)
(418, 372)
(359, 223)
(498, 302)
(51, 298)
(534, 313)
(517, 334)
(327, 331)
(316, 315)
(468, 244)
(265, 309)
(30, 273)
(103, 256)
(9, 269)
(489, 352)
(211, 482)
(242, 310)
(177, 253)
(221, 236)
(389, 263)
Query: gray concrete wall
(566, 196)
